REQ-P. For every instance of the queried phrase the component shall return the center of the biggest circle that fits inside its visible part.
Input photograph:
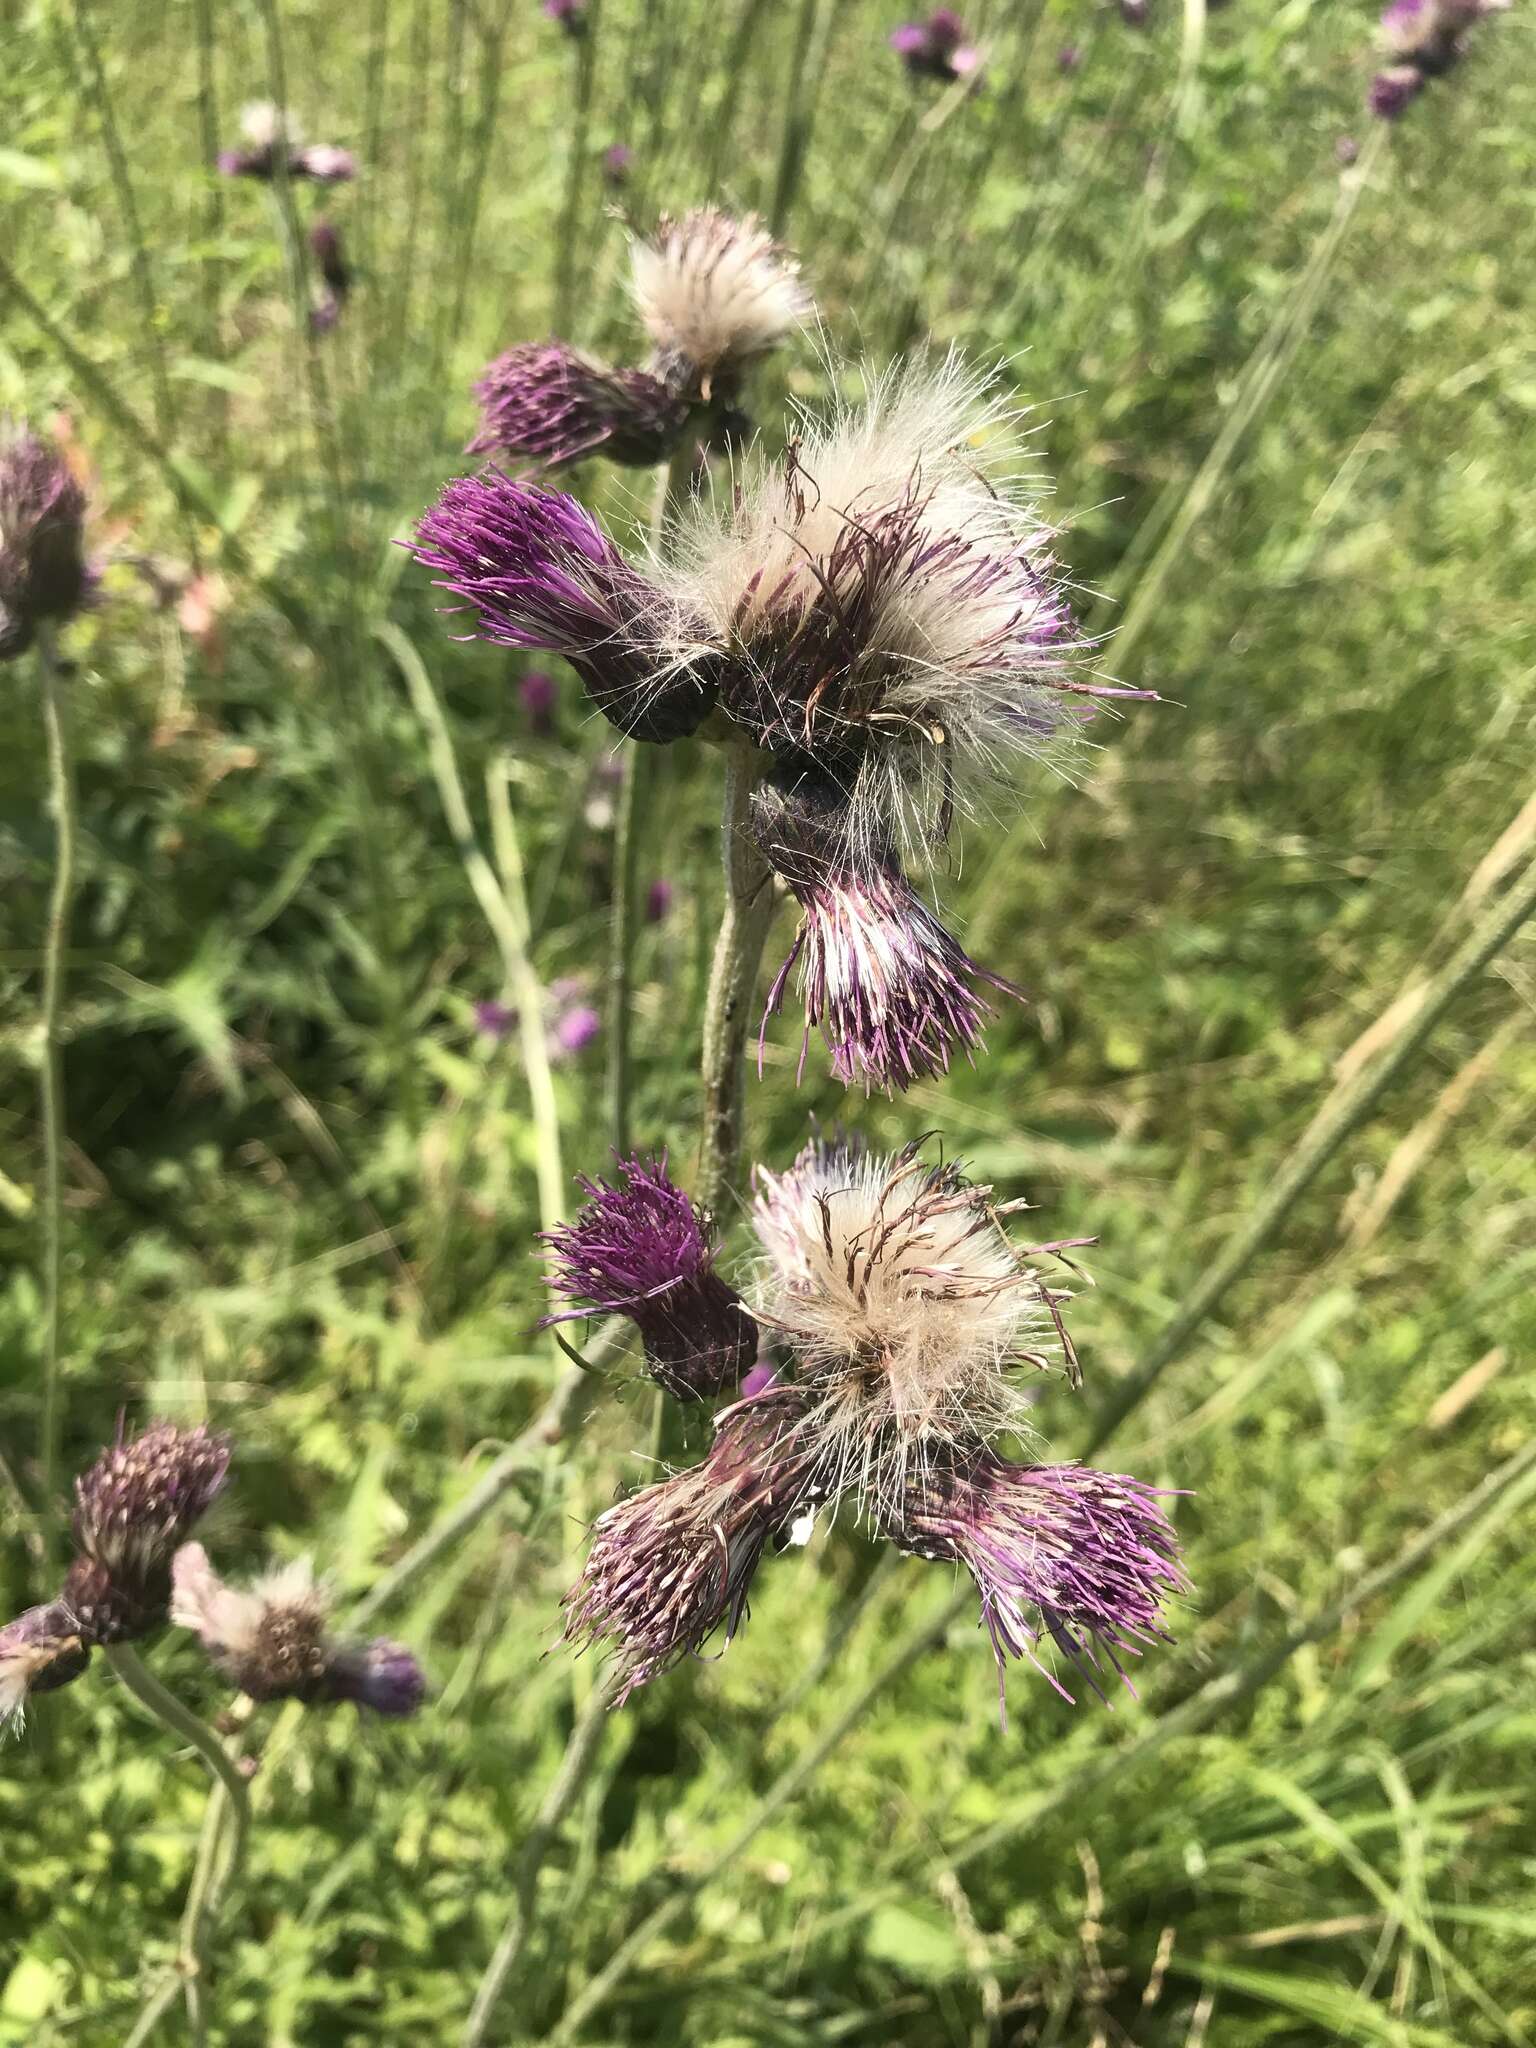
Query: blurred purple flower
(618, 159)
(43, 571)
(39, 1651)
(547, 404)
(936, 48)
(1345, 150)
(762, 1376)
(658, 901)
(1135, 13)
(1068, 57)
(494, 1020)
(536, 695)
(571, 15)
(1393, 91)
(575, 1029)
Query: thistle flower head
(133, 1508)
(1087, 1558)
(43, 573)
(570, 14)
(1394, 90)
(887, 600)
(888, 987)
(323, 164)
(936, 48)
(905, 1310)
(538, 571)
(39, 1651)
(618, 158)
(548, 404)
(272, 1640)
(713, 292)
(640, 1248)
(675, 1562)
(1422, 39)
(273, 133)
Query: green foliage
(301, 1187)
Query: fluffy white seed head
(889, 587)
(264, 125)
(713, 291)
(905, 1307)
(231, 1619)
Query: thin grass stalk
(581, 1754)
(213, 204)
(1351, 1107)
(797, 117)
(58, 727)
(530, 990)
(570, 237)
(374, 71)
(749, 908)
(723, 135)
(469, 201)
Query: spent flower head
(133, 1509)
(640, 1248)
(39, 1651)
(43, 572)
(1086, 1558)
(272, 1640)
(905, 1310)
(675, 1562)
(713, 293)
(548, 404)
(936, 48)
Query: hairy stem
(749, 907)
(61, 795)
(581, 1753)
(1339, 1121)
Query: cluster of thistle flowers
(899, 1320)
(877, 612)
(1422, 39)
(44, 575)
(713, 294)
(134, 1570)
(272, 136)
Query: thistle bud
(548, 404)
(134, 1507)
(43, 573)
(640, 1248)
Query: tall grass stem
(749, 908)
(58, 725)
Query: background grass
(301, 1187)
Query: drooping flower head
(713, 293)
(134, 1507)
(539, 571)
(888, 987)
(640, 1248)
(905, 1309)
(888, 602)
(1422, 39)
(1087, 1558)
(273, 135)
(547, 403)
(675, 1562)
(39, 1651)
(43, 573)
(272, 1640)
(936, 48)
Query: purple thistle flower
(43, 572)
(618, 158)
(889, 988)
(1345, 151)
(330, 259)
(762, 1376)
(1135, 13)
(539, 571)
(1086, 1557)
(39, 1651)
(936, 48)
(133, 1508)
(1422, 39)
(546, 403)
(494, 1020)
(272, 135)
(324, 164)
(675, 1562)
(536, 695)
(1394, 90)
(570, 14)
(272, 1641)
(574, 1030)
(643, 1250)
(658, 901)
(1068, 58)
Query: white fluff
(713, 290)
(264, 124)
(905, 1307)
(946, 656)
(229, 1618)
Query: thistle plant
(1422, 40)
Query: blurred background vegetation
(1289, 399)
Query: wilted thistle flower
(546, 403)
(1087, 1558)
(905, 1310)
(1423, 39)
(540, 572)
(43, 573)
(617, 160)
(887, 985)
(134, 1507)
(39, 1651)
(674, 1563)
(713, 293)
(271, 133)
(936, 48)
(640, 1248)
(272, 1640)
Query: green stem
(571, 239)
(749, 908)
(208, 1887)
(61, 791)
(1339, 1120)
(581, 1753)
(797, 118)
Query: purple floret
(43, 572)
(1087, 1558)
(640, 1248)
(1393, 91)
(548, 404)
(381, 1676)
(889, 988)
(539, 571)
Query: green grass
(301, 1191)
